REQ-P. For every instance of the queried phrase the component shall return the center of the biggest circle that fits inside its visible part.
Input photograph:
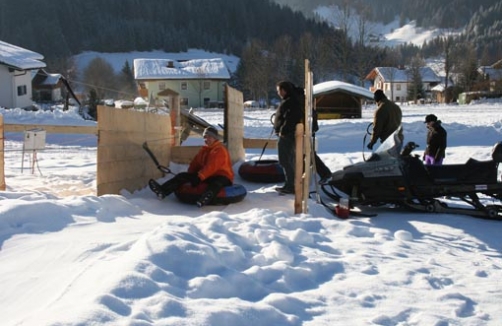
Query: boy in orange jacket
(211, 165)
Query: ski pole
(266, 143)
(154, 159)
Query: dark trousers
(286, 149)
(214, 184)
(175, 182)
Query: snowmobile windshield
(392, 145)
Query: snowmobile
(399, 178)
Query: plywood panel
(183, 154)
(122, 161)
(52, 129)
(234, 123)
(260, 143)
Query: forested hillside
(271, 39)
(480, 20)
(427, 13)
(58, 28)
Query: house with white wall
(199, 82)
(395, 81)
(493, 76)
(16, 65)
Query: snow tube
(228, 195)
(266, 171)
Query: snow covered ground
(69, 257)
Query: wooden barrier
(122, 162)
(183, 154)
(2, 157)
(234, 123)
(52, 129)
(259, 143)
(299, 169)
(309, 159)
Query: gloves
(370, 146)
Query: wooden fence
(122, 162)
(2, 158)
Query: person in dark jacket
(211, 165)
(386, 120)
(436, 141)
(287, 116)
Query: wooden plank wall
(233, 120)
(52, 129)
(2, 157)
(234, 123)
(122, 162)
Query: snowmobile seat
(472, 172)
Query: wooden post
(309, 159)
(175, 113)
(2, 157)
(299, 168)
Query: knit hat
(430, 118)
(210, 131)
(379, 95)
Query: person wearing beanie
(436, 141)
(387, 118)
(287, 116)
(211, 165)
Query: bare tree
(394, 58)
(466, 66)
(362, 21)
(255, 69)
(342, 45)
(100, 77)
(198, 83)
(415, 88)
(448, 44)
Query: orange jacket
(212, 160)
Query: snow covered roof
(402, 75)
(438, 88)
(19, 58)
(491, 73)
(172, 69)
(335, 85)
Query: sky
(70, 257)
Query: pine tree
(415, 85)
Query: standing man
(436, 141)
(287, 116)
(386, 120)
(211, 165)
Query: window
(206, 101)
(162, 86)
(184, 101)
(184, 86)
(207, 85)
(21, 90)
(398, 87)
